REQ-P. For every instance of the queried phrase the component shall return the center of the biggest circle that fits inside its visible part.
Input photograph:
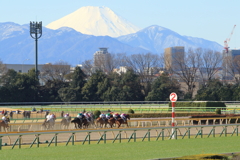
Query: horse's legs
(119, 124)
(75, 125)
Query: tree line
(146, 79)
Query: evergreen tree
(72, 93)
(162, 87)
(90, 90)
(213, 91)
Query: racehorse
(80, 122)
(91, 119)
(120, 121)
(101, 122)
(65, 122)
(4, 125)
(49, 124)
(111, 121)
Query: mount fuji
(97, 21)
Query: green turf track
(127, 151)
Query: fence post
(73, 138)
(0, 142)
(19, 141)
(147, 134)
(56, 139)
(38, 140)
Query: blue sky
(209, 19)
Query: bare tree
(146, 65)
(231, 66)
(55, 71)
(87, 66)
(108, 62)
(3, 68)
(210, 62)
(185, 68)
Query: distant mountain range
(156, 39)
(67, 44)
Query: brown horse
(101, 122)
(65, 122)
(4, 125)
(120, 121)
(111, 121)
(82, 123)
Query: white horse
(49, 124)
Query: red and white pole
(173, 99)
(173, 114)
(173, 118)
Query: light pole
(36, 33)
(23, 63)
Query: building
(23, 68)
(122, 69)
(231, 63)
(173, 57)
(101, 60)
(47, 71)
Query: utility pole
(36, 33)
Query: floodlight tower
(36, 33)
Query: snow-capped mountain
(62, 44)
(98, 21)
(156, 39)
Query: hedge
(159, 115)
(198, 105)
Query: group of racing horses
(84, 123)
(79, 122)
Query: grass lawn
(128, 151)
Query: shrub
(218, 111)
(131, 111)
(207, 106)
(96, 113)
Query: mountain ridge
(72, 46)
(157, 38)
(54, 45)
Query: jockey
(53, 116)
(123, 116)
(87, 116)
(116, 115)
(48, 117)
(108, 115)
(103, 116)
(79, 115)
(4, 118)
(66, 116)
